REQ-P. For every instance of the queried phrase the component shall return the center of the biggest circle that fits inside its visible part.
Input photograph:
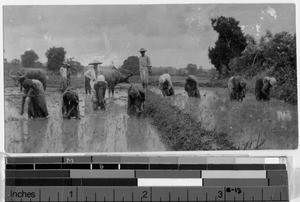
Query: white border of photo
(293, 155)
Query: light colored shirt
(92, 74)
(144, 61)
(63, 72)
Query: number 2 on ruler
(145, 194)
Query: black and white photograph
(149, 78)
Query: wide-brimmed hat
(95, 62)
(142, 50)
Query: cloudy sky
(174, 35)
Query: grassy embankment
(179, 130)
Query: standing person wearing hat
(263, 87)
(64, 77)
(91, 77)
(145, 68)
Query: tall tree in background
(16, 62)
(231, 42)
(29, 58)
(55, 56)
(132, 64)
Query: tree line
(132, 64)
(56, 56)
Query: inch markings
(118, 179)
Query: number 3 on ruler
(220, 194)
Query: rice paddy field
(173, 123)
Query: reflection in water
(69, 132)
(284, 115)
(97, 131)
(36, 132)
(250, 124)
(114, 131)
(142, 136)
(28, 135)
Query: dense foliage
(29, 58)
(231, 42)
(16, 63)
(55, 57)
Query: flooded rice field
(250, 124)
(97, 131)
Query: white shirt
(63, 72)
(144, 61)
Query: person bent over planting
(70, 105)
(237, 88)
(145, 68)
(263, 87)
(165, 85)
(34, 90)
(136, 99)
(99, 93)
(191, 86)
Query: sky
(174, 35)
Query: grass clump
(179, 130)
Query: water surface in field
(250, 124)
(97, 131)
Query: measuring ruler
(113, 178)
